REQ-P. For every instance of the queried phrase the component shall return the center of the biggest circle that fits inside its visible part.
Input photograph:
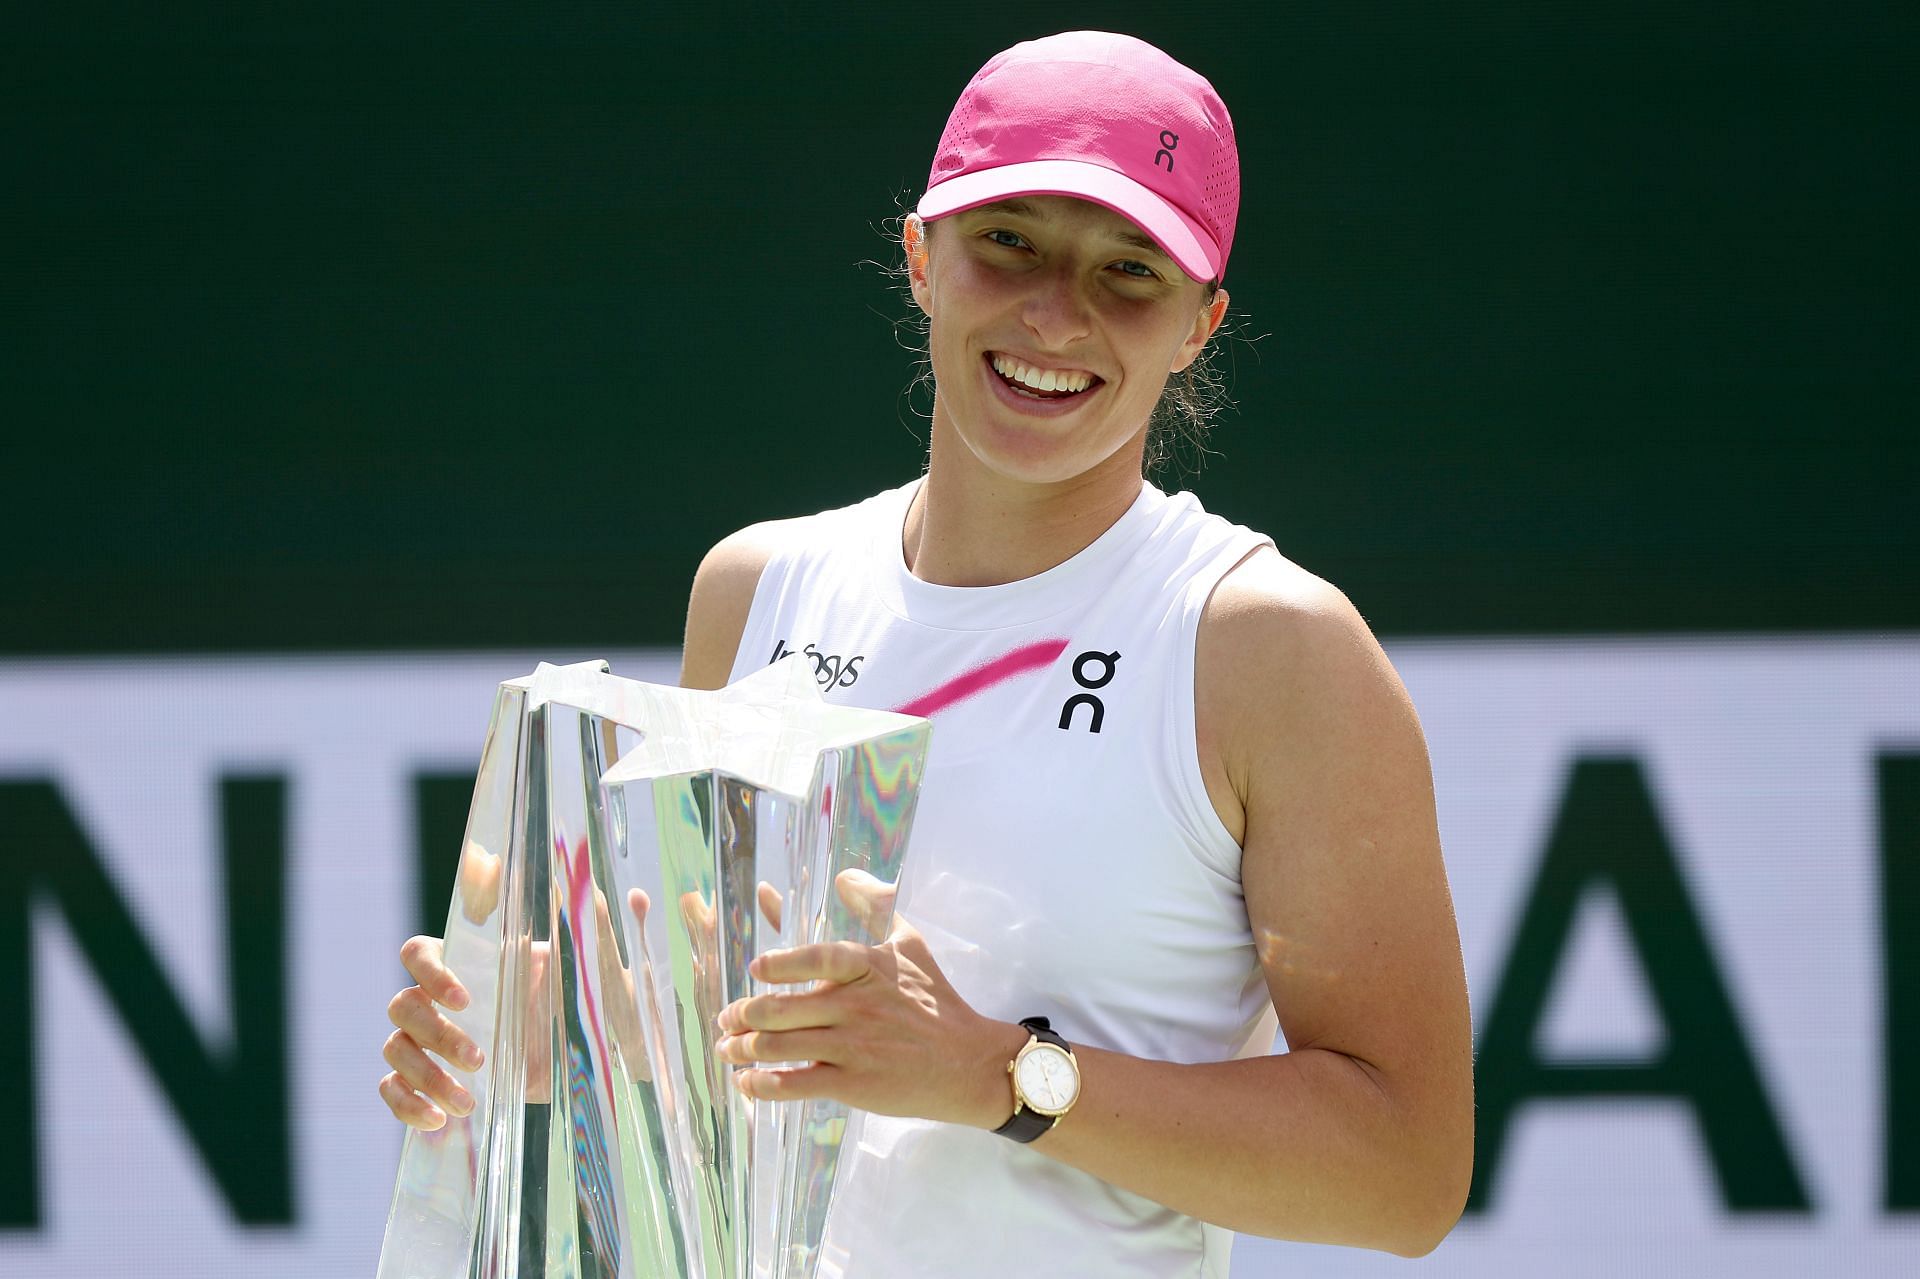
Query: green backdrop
(417, 326)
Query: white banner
(1726, 812)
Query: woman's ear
(913, 239)
(1205, 325)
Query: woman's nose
(1056, 310)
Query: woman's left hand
(881, 1028)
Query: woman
(1175, 788)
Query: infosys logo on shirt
(830, 669)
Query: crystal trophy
(630, 849)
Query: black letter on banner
(1899, 787)
(1608, 834)
(440, 803)
(233, 1104)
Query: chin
(1035, 449)
(1034, 457)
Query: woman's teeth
(1040, 379)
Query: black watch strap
(1028, 1124)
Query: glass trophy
(630, 849)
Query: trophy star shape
(630, 849)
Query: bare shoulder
(1266, 597)
(1286, 668)
(1271, 626)
(1341, 865)
(722, 596)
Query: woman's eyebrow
(1017, 208)
(1023, 209)
(1135, 240)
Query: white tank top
(1065, 859)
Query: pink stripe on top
(1028, 657)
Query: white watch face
(1047, 1078)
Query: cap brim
(1183, 239)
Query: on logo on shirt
(1107, 663)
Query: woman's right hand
(420, 1091)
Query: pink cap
(1101, 117)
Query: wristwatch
(1046, 1082)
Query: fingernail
(470, 1057)
(457, 998)
(462, 1102)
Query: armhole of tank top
(810, 545)
(756, 637)
(1214, 842)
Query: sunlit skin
(1311, 755)
(1061, 284)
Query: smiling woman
(1192, 397)
(1176, 796)
(1064, 288)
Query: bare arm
(722, 596)
(1362, 1134)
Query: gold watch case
(1039, 1052)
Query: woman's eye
(1010, 240)
(1138, 270)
